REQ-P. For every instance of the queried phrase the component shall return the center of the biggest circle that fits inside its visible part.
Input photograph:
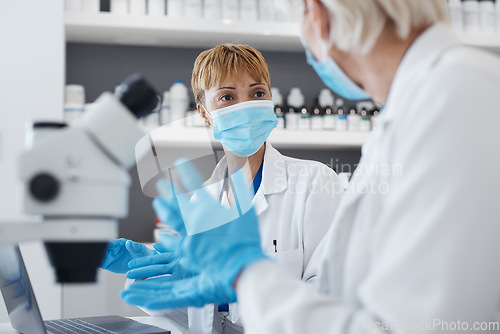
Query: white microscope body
(76, 181)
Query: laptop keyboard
(65, 326)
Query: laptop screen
(17, 292)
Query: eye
(259, 94)
(226, 97)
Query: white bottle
(341, 121)
(179, 103)
(325, 98)
(277, 97)
(156, 8)
(137, 7)
(317, 119)
(248, 10)
(282, 11)
(304, 120)
(497, 17)
(91, 6)
(175, 8)
(354, 120)
(230, 10)
(295, 101)
(165, 108)
(366, 123)
(119, 7)
(329, 119)
(266, 10)
(279, 110)
(471, 16)
(73, 6)
(74, 103)
(212, 9)
(487, 17)
(456, 13)
(193, 8)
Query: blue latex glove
(163, 263)
(120, 252)
(216, 242)
(167, 292)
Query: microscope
(76, 183)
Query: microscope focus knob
(44, 187)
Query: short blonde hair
(213, 66)
(357, 24)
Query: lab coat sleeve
(435, 245)
(325, 193)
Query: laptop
(25, 315)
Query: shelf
(107, 28)
(481, 40)
(199, 137)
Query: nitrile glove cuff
(238, 261)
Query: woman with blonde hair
(294, 199)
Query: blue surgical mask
(334, 78)
(244, 127)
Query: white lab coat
(415, 242)
(295, 203)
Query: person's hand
(120, 252)
(215, 241)
(168, 293)
(166, 262)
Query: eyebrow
(252, 85)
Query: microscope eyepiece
(138, 95)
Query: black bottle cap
(138, 95)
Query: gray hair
(357, 24)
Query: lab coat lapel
(274, 178)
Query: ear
(320, 15)
(203, 114)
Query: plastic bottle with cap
(295, 101)
(119, 7)
(317, 114)
(471, 16)
(230, 10)
(156, 8)
(497, 5)
(165, 108)
(91, 6)
(374, 117)
(248, 10)
(456, 13)
(266, 10)
(326, 100)
(73, 6)
(353, 120)
(329, 119)
(137, 7)
(212, 9)
(278, 107)
(305, 119)
(487, 17)
(193, 9)
(175, 8)
(366, 123)
(282, 11)
(179, 103)
(74, 103)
